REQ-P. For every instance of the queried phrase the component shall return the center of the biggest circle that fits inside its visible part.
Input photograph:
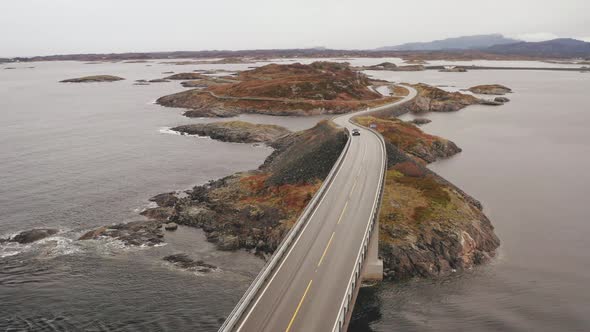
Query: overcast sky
(43, 27)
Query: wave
(168, 130)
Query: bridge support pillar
(373, 269)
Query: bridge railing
(267, 271)
(347, 302)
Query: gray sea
(78, 156)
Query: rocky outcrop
(420, 121)
(195, 84)
(410, 139)
(158, 213)
(93, 79)
(253, 210)
(453, 70)
(491, 102)
(165, 199)
(428, 227)
(31, 236)
(136, 233)
(183, 261)
(159, 80)
(393, 67)
(235, 131)
(382, 66)
(501, 99)
(432, 99)
(294, 89)
(209, 113)
(171, 226)
(185, 76)
(490, 89)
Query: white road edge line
(411, 94)
(288, 253)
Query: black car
(356, 132)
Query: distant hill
(457, 43)
(556, 48)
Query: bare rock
(184, 262)
(93, 79)
(33, 235)
(228, 242)
(165, 199)
(420, 121)
(490, 89)
(171, 226)
(135, 233)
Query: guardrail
(355, 278)
(270, 266)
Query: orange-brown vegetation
(295, 89)
(410, 138)
(255, 209)
(428, 227)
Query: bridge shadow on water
(366, 310)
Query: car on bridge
(356, 132)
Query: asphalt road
(306, 290)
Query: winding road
(306, 290)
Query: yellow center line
(326, 250)
(342, 213)
(298, 306)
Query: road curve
(305, 291)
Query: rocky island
(254, 209)
(490, 89)
(93, 79)
(295, 89)
(31, 236)
(433, 99)
(393, 67)
(428, 227)
(235, 131)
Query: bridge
(312, 280)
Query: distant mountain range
(556, 48)
(490, 47)
(456, 43)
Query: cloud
(536, 36)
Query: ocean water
(527, 162)
(77, 156)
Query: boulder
(136, 233)
(33, 235)
(165, 199)
(185, 76)
(420, 121)
(171, 226)
(183, 261)
(158, 213)
(228, 242)
(490, 102)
